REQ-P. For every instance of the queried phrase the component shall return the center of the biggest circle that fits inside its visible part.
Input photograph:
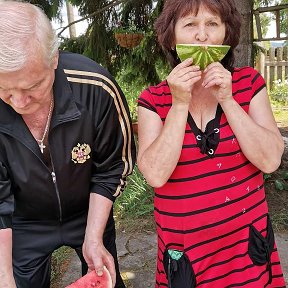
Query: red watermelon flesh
(92, 280)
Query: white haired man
(66, 149)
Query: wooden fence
(273, 65)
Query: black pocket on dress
(260, 248)
(178, 270)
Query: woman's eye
(213, 24)
(190, 24)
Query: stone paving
(137, 256)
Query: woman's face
(204, 28)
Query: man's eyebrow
(37, 83)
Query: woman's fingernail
(99, 272)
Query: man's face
(28, 89)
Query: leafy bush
(127, 29)
(137, 199)
(279, 92)
(132, 84)
(131, 91)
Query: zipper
(53, 174)
(54, 179)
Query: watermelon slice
(92, 280)
(202, 55)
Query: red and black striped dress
(214, 198)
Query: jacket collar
(65, 107)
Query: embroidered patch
(80, 153)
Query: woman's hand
(219, 80)
(181, 81)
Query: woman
(205, 137)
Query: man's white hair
(25, 31)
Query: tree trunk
(243, 52)
(70, 16)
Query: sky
(80, 26)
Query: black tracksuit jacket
(90, 111)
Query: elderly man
(66, 149)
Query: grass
(281, 117)
(137, 192)
(135, 206)
(60, 260)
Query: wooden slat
(279, 52)
(271, 8)
(285, 58)
(272, 68)
(275, 65)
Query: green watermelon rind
(202, 55)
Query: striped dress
(213, 207)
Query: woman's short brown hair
(175, 9)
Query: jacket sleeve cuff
(5, 222)
(102, 191)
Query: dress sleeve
(113, 149)
(146, 100)
(6, 199)
(258, 82)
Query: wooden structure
(273, 65)
(272, 9)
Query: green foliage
(133, 83)
(76, 45)
(51, 8)
(100, 45)
(137, 199)
(279, 92)
(127, 29)
(131, 91)
(282, 182)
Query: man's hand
(97, 256)
(94, 252)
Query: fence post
(285, 58)
(279, 53)
(260, 61)
(271, 67)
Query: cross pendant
(42, 146)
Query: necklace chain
(40, 142)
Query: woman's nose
(201, 34)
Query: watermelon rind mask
(202, 55)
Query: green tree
(140, 64)
(51, 8)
